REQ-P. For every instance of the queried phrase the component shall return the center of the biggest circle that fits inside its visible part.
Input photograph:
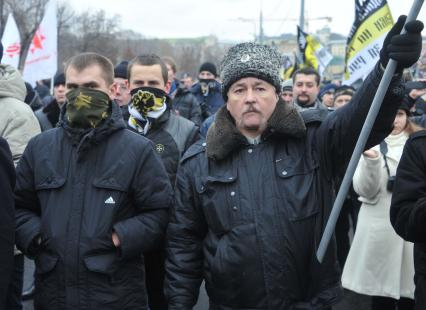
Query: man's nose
(250, 97)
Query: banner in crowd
(373, 20)
(42, 58)
(313, 53)
(288, 67)
(11, 41)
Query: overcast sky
(193, 18)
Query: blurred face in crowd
(170, 72)
(187, 82)
(59, 94)
(287, 96)
(328, 98)
(305, 89)
(341, 100)
(206, 75)
(251, 102)
(122, 94)
(147, 76)
(90, 77)
(400, 122)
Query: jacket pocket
(49, 182)
(298, 189)
(101, 263)
(45, 263)
(219, 201)
(110, 193)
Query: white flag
(42, 58)
(11, 41)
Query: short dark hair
(171, 62)
(307, 71)
(148, 60)
(85, 60)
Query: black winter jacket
(248, 218)
(48, 116)
(74, 188)
(7, 219)
(172, 135)
(186, 105)
(408, 208)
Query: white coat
(379, 263)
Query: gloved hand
(404, 48)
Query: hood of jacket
(11, 83)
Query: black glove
(403, 48)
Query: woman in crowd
(380, 263)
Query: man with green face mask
(91, 197)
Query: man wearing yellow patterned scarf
(171, 134)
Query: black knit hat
(120, 71)
(59, 79)
(250, 60)
(208, 66)
(1, 51)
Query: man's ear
(112, 90)
(168, 86)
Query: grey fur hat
(250, 60)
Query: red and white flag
(42, 58)
(11, 41)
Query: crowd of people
(129, 186)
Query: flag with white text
(373, 20)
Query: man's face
(122, 94)
(90, 77)
(287, 96)
(59, 93)
(328, 99)
(341, 100)
(251, 102)
(187, 82)
(147, 76)
(305, 89)
(206, 75)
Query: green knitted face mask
(87, 107)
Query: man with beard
(91, 197)
(172, 135)
(251, 202)
(306, 89)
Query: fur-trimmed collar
(223, 136)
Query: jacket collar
(223, 137)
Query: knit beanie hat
(250, 60)
(287, 85)
(120, 71)
(208, 66)
(59, 79)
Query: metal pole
(360, 145)
(302, 15)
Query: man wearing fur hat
(253, 199)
